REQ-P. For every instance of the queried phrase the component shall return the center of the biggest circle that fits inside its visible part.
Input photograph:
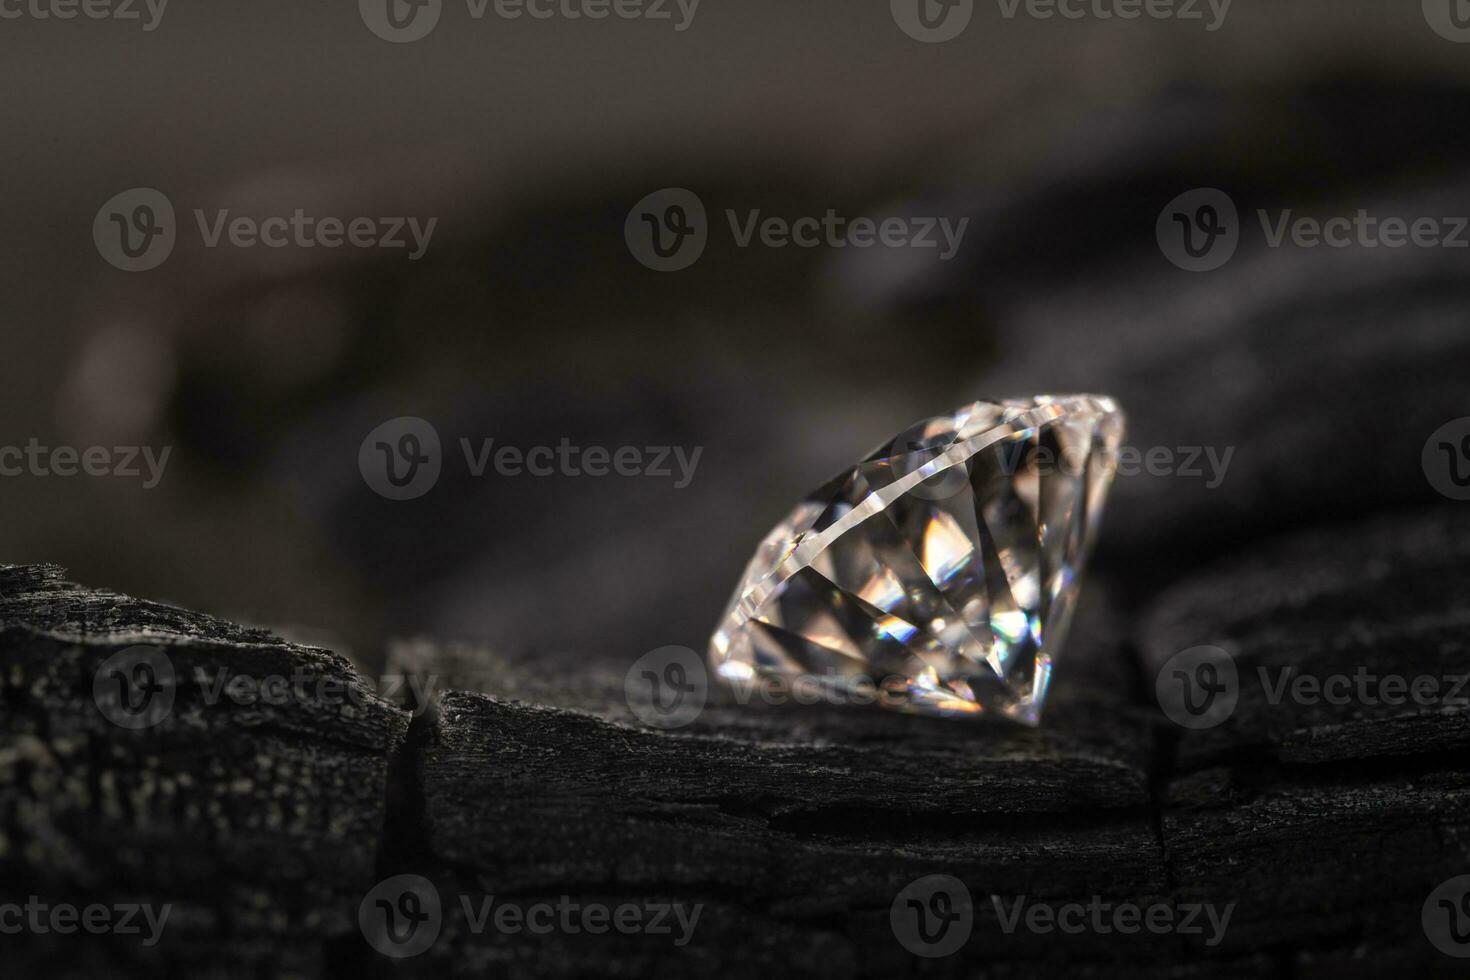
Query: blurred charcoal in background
(527, 321)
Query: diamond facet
(938, 575)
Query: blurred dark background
(528, 320)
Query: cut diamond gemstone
(938, 575)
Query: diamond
(939, 575)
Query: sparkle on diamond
(940, 572)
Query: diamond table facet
(938, 575)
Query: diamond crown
(940, 573)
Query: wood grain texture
(793, 829)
